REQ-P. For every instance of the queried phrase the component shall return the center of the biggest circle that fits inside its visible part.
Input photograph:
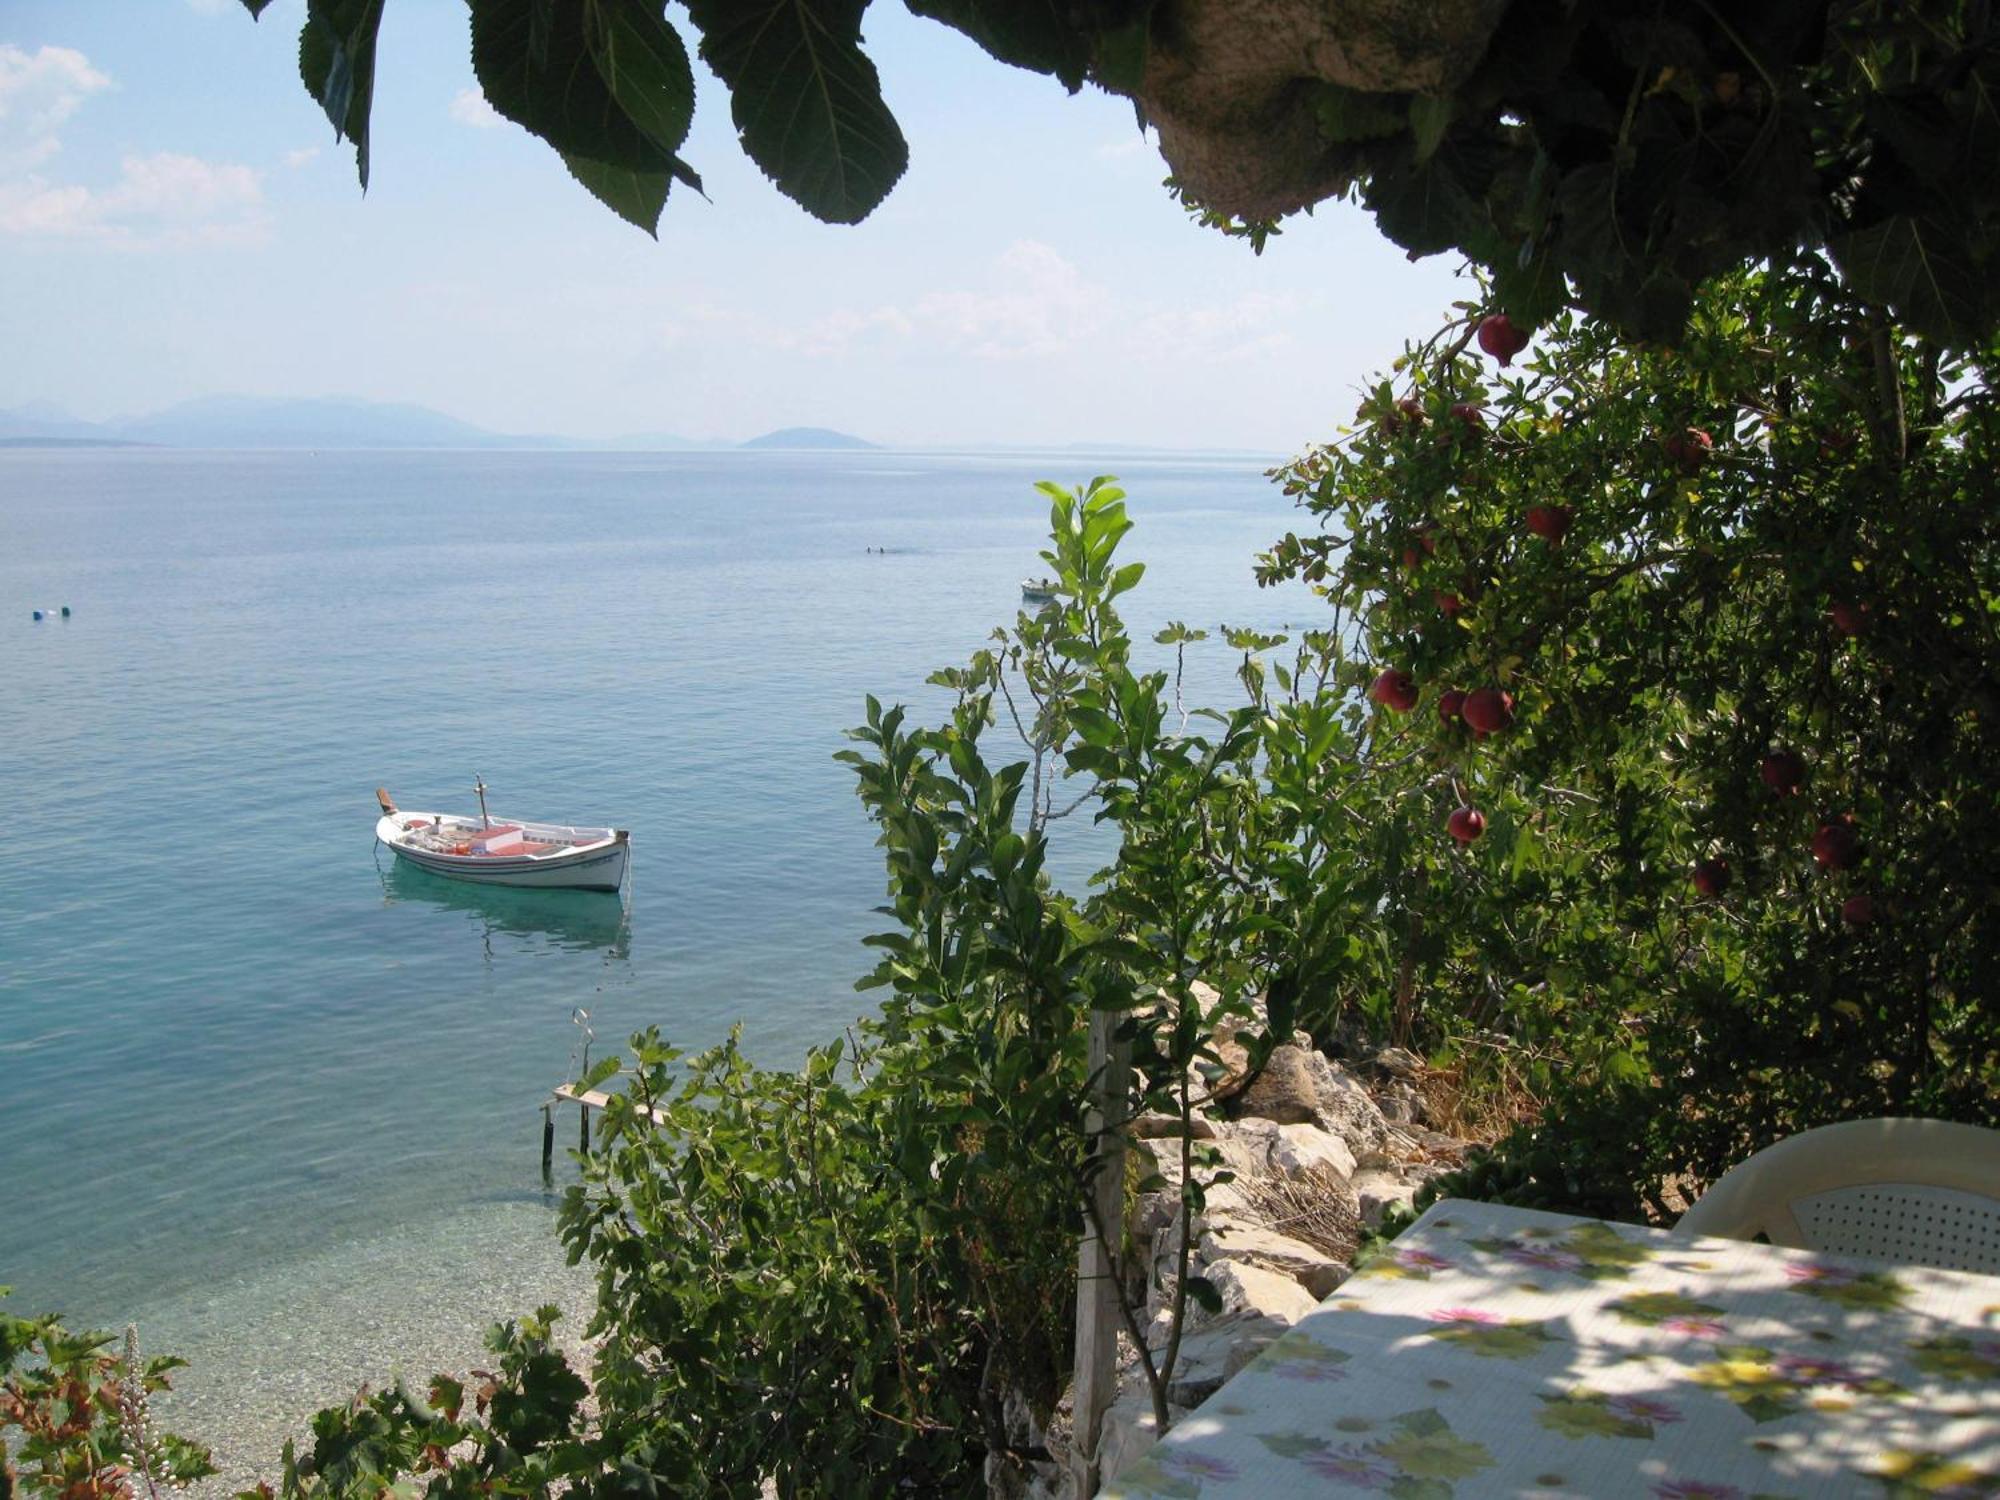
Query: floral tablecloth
(1502, 1351)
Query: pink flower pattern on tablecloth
(1544, 1259)
(1354, 1465)
(1728, 1353)
(1462, 1315)
(1643, 1409)
(1695, 1328)
(1196, 1465)
(1805, 1369)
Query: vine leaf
(606, 82)
(1041, 35)
(337, 64)
(637, 196)
(644, 63)
(807, 102)
(1912, 265)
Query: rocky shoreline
(1314, 1152)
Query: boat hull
(598, 866)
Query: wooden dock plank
(594, 1099)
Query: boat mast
(479, 786)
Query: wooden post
(548, 1140)
(583, 1128)
(1097, 1291)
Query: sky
(177, 221)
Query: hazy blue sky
(175, 221)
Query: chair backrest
(1924, 1192)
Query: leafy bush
(1768, 607)
(81, 1416)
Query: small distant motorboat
(501, 851)
(1038, 590)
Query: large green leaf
(337, 62)
(634, 194)
(644, 63)
(1042, 35)
(806, 101)
(605, 82)
(1919, 267)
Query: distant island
(259, 422)
(809, 437)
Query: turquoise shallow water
(241, 1052)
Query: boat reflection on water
(575, 921)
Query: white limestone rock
(1252, 1291)
(1346, 1108)
(1378, 1192)
(1266, 1249)
(1212, 1353)
(1304, 1150)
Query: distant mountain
(646, 442)
(808, 437)
(39, 422)
(279, 422)
(273, 422)
(68, 442)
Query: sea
(275, 1099)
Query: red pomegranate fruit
(1395, 690)
(1858, 911)
(1488, 710)
(1466, 824)
(1451, 702)
(1711, 877)
(1500, 338)
(1784, 771)
(1689, 449)
(1849, 617)
(1836, 846)
(1549, 522)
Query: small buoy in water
(65, 611)
(38, 614)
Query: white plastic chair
(1922, 1192)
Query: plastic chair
(1922, 1192)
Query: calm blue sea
(245, 1060)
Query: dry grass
(1312, 1208)
(1481, 1094)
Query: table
(1505, 1351)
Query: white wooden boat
(505, 851)
(1037, 590)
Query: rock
(1225, 1077)
(1253, 1291)
(1285, 1091)
(1152, 1127)
(1316, 1271)
(1231, 86)
(1346, 1107)
(1399, 1061)
(1380, 1191)
(1303, 1149)
(1212, 1354)
(1010, 1474)
(1128, 1429)
(1246, 1145)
